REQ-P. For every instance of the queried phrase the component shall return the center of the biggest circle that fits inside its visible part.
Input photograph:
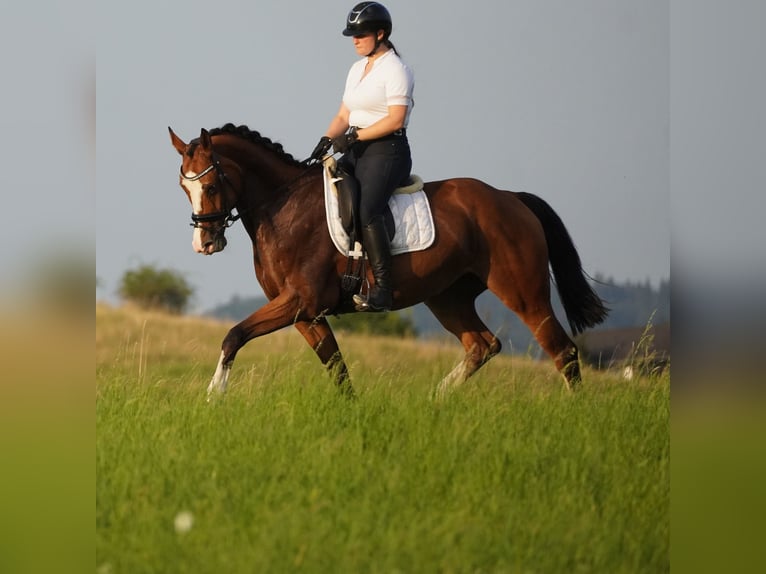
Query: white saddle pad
(414, 230)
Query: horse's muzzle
(207, 243)
(215, 245)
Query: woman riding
(370, 130)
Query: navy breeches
(380, 166)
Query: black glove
(341, 144)
(321, 149)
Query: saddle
(348, 201)
(408, 219)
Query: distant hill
(237, 308)
(630, 304)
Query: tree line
(631, 304)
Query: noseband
(226, 217)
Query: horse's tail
(583, 307)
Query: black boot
(375, 241)
(348, 202)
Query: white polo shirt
(389, 83)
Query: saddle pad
(414, 230)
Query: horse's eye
(211, 190)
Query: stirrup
(362, 303)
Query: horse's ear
(177, 142)
(204, 140)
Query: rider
(370, 130)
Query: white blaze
(195, 194)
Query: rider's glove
(341, 144)
(321, 149)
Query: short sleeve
(399, 86)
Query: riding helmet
(368, 17)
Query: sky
(567, 100)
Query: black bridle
(225, 216)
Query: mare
(507, 242)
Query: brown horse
(485, 239)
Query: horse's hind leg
(554, 341)
(455, 310)
(320, 337)
(534, 307)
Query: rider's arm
(339, 123)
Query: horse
(486, 238)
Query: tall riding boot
(375, 240)
(348, 202)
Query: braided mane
(246, 133)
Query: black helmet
(368, 17)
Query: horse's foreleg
(320, 337)
(274, 315)
(220, 377)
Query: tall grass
(509, 474)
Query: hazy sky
(567, 100)
(47, 58)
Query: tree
(153, 288)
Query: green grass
(508, 474)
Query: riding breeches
(380, 166)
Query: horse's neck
(274, 189)
(265, 170)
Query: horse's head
(211, 182)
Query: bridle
(226, 216)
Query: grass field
(508, 474)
